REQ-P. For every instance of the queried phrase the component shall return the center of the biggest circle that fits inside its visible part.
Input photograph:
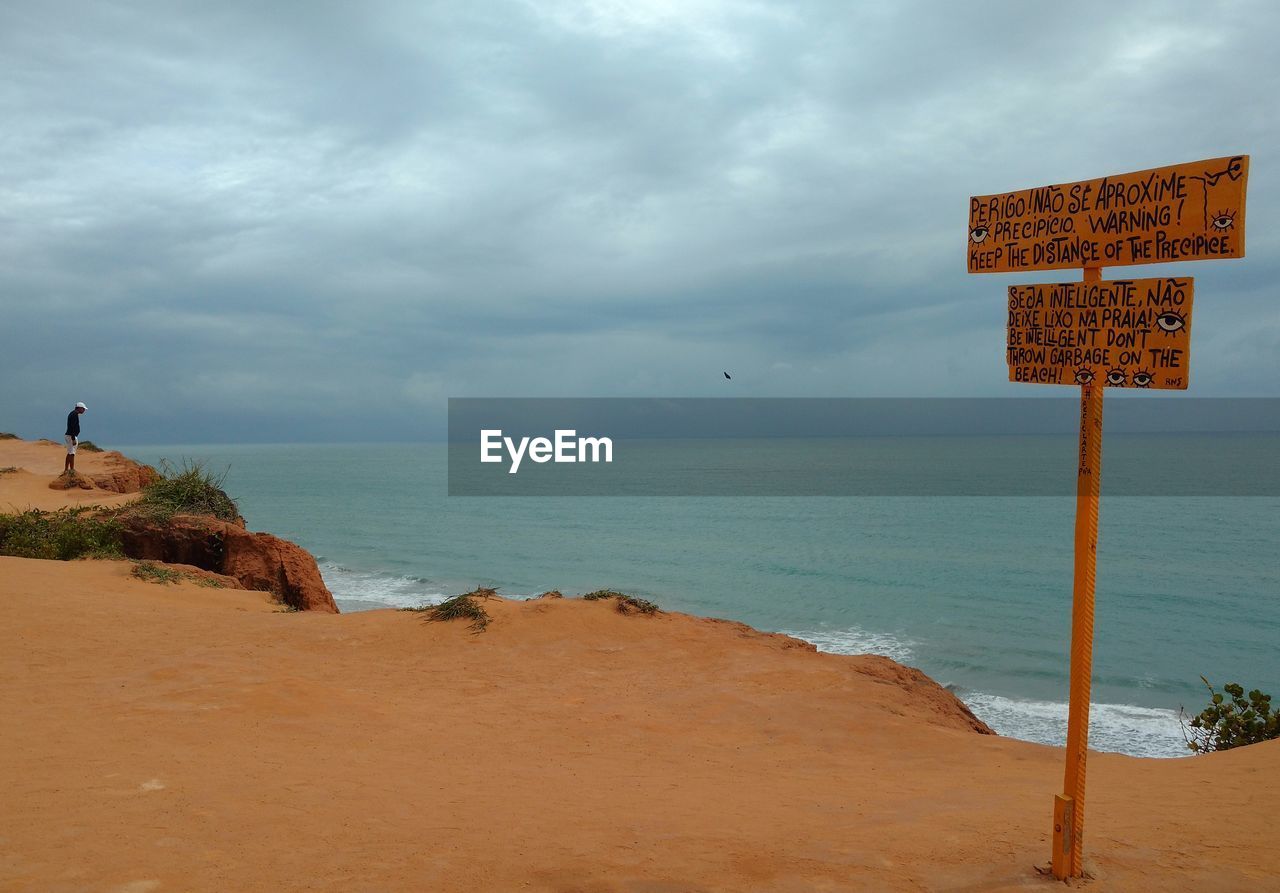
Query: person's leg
(70, 464)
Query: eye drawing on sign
(1233, 171)
(1170, 322)
(1084, 375)
(1116, 378)
(979, 234)
(1142, 379)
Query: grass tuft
(154, 573)
(8, 469)
(189, 489)
(62, 535)
(626, 604)
(461, 607)
(5, 435)
(89, 446)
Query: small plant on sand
(90, 447)
(209, 582)
(626, 604)
(466, 606)
(8, 469)
(154, 573)
(188, 489)
(5, 435)
(283, 608)
(1230, 720)
(62, 535)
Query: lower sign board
(1131, 333)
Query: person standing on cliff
(72, 437)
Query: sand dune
(167, 738)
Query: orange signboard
(1192, 211)
(1133, 333)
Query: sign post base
(1063, 820)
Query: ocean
(973, 590)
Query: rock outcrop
(257, 560)
(119, 474)
(920, 691)
(123, 475)
(70, 480)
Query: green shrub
(5, 435)
(154, 573)
(189, 489)
(8, 469)
(89, 446)
(1225, 724)
(62, 535)
(626, 604)
(466, 606)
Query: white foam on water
(854, 640)
(365, 590)
(362, 590)
(1117, 728)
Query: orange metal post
(1068, 834)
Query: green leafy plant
(5, 435)
(89, 446)
(1232, 719)
(187, 489)
(465, 607)
(626, 604)
(62, 535)
(8, 469)
(154, 573)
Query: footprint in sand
(154, 784)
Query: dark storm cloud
(273, 221)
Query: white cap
(81, 406)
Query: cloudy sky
(280, 221)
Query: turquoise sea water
(975, 591)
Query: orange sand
(174, 738)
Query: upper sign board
(1191, 211)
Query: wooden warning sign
(1129, 333)
(1192, 211)
(1096, 334)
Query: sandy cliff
(112, 479)
(258, 561)
(167, 738)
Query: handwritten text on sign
(1124, 334)
(1191, 211)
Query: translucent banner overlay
(1153, 446)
